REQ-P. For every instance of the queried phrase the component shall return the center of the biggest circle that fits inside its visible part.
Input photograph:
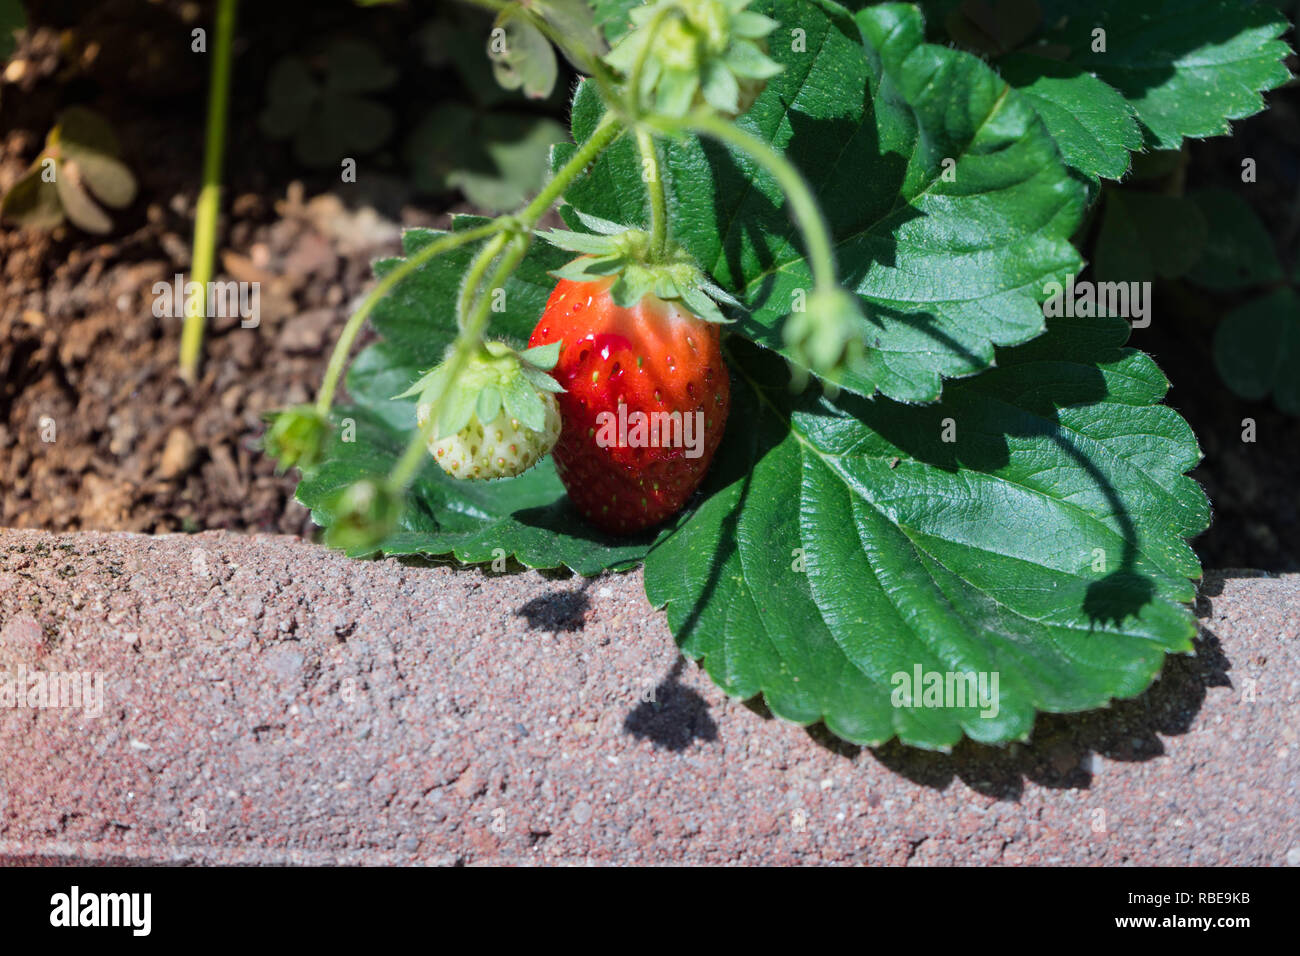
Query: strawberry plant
(832, 230)
(321, 102)
(80, 164)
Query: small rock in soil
(178, 454)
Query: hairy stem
(607, 130)
(469, 285)
(209, 203)
(807, 214)
(334, 372)
(601, 137)
(654, 185)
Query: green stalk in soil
(209, 204)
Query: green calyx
(614, 250)
(496, 377)
(296, 438)
(686, 53)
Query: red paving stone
(267, 701)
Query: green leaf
(11, 21)
(31, 202)
(1239, 253)
(1257, 350)
(1186, 67)
(949, 267)
(1144, 235)
(844, 543)
(528, 517)
(1182, 69)
(1092, 124)
(497, 160)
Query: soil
(135, 448)
(97, 430)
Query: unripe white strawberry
(497, 418)
(503, 448)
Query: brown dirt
(133, 447)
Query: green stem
(606, 131)
(474, 278)
(209, 203)
(658, 200)
(807, 214)
(470, 340)
(334, 372)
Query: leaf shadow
(559, 610)
(1060, 752)
(674, 716)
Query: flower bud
(296, 438)
(365, 513)
(696, 52)
(828, 336)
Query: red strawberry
(657, 359)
